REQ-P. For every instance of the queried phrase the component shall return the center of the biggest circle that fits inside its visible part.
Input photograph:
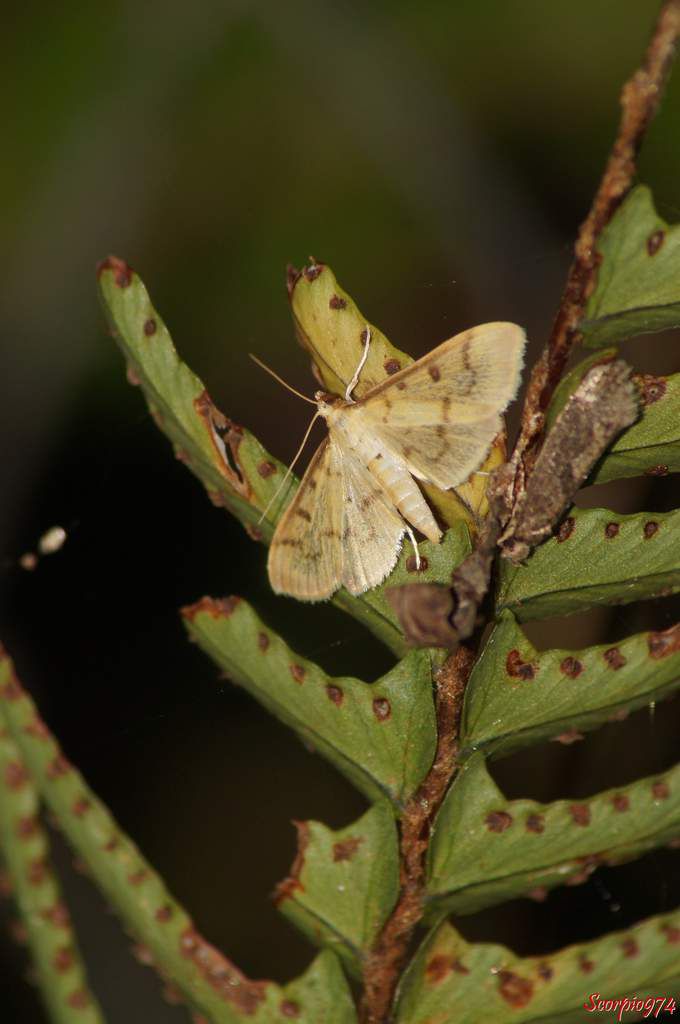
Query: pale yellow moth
(434, 420)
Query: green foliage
(235, 469)
(637, 286)
(453, 980)
(517, 696)
(381, 736)
(485, 848)
(344, 883)
(208, 982)
(597, 557)
(57, 963)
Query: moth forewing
(305, 556)
(441, 414)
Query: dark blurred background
(439, 157)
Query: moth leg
(415, 546)
(364, 356)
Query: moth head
(326, 401)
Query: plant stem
(165, 935)
(44, 919)
(640, 98)
(384, 964)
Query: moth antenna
(288, 387)
(290, 468)
(415, 546)
(364, 356)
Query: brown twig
(639, 100)
(385, 962)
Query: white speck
(52, 540)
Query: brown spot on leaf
(292, 278)
(381, 708)
(335, 302)
(229, 983)
(335, 694)
(262, 641)
(580, 814)
(15, 775)
(516, 991)
(438, 968)
(434, 372)
(266, 469)
(150, 327)
(37, 871)
(57, 915)
(630, 947)
(566, 529)
(571, 667)
(79, 1000)
(164, 913)
(285, 889)
(614, 658)
(122, 273)
(12, 690)
(660, 790)
(137, 877)
(313, 271)
(37, 729)
(665, 642)
(57, 767)
(611, 530)
(498, 821)
(289, 1009)
(535, 823)
(81, 806)
(586, 965)
(659, 470)
(655, 241)
(392, 366)
(651, 388)
(217, 608)
(297, 672)
(672, 933)
(346, 848)
(545, 971)
(650, 529)
(27, 826)
(411, 564)
(517, 668)
(568, 737)
(63, 959)
(620, 802)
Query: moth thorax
(328, 403)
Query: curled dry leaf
(601, 407)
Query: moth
(432, 421)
